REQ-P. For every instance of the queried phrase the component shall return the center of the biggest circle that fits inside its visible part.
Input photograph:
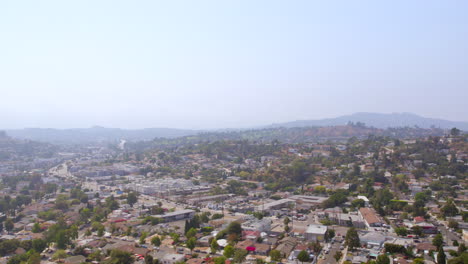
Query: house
(372, 239)
(204, 241)
(75, 259)
(424, 248)
(315, 232)
(250, 234)
(167, 255)
(427, 228)
(260, 225)
(286, 246)
(172, 258)
(365, 199)
(370, 217)
(262, 249)
(245, 244)
(195, 261)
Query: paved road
(330, 257)
(335, 247)
(448, 235)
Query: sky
(228, 63)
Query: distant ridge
(379, 120)
(98, 134)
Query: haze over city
(219, 64)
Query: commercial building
(176, 216)
(315, 233)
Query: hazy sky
(228, 63)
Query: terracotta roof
(369, 215)
(425, 246)
(195, 261)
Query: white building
(316, 233)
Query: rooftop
(316, 229)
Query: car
(341, 247)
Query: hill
(11, 148)
(291, 135)
(379, 120)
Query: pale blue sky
(216, 64)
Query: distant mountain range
(101, 134)
(379, 120)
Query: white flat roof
(317, 229)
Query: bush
(394, 248)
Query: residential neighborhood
(349, 201)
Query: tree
(438, 241)
(61, 202)
(382, 259)
(62, 239)
(191, 242)
(449, 209)
(143, 237)
(338, 255)
(175, 237)
(219, 260)
(100, 231)
(36, 228)
(120, 257)
(303, 256)
(259, 261)
(275, 255)
(59, 254)
(228, 251)
(34, 257)
(461, 248)
(316, 247)
(234, 228)
(441, 258)
(462, 259)
(132, 198)
(455, 132)
(352, 239)
(417, 230)
(401, 231)
(329, 234)
(9, 225)
(239, 255)
(156, 241)
(214, 246)
(191, 232)
(73, 232)
(149, 259)
(39, 245)
(453, 224)
(358, 203)
(394, 248)
(96, 255)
